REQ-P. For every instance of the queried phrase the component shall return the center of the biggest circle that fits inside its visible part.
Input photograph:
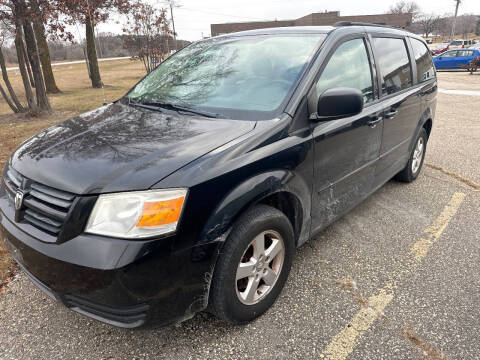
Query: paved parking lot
(397, 278)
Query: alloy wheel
(260, 267)
(418, 155)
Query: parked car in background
(455, 59)
(460, 44)
(193, 190)
(440, 48)
(475, 46)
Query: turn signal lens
(160, 212)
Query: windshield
(241, 77)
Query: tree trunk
(42, 98)
(23, 70)
(5, 96)
(14, 97)
(27, 62)
(92, 55)
(44, 52)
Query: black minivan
(192, 191)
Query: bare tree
(43, 51)
(405, 7)
(91, 13)
(428, 23)
(14, 103)
(147, 34)
(466, 24)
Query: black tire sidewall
(226, 303)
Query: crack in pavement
(455, 176)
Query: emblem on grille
(19, 200)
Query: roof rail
(355, 23)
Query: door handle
(372, 123)
(391, 114)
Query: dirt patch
(8, 268)
(429, 352)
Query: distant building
(315, 19)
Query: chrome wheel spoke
(269, 277)
(274, 249)
(251, 290)
(259, 246)
(246, 269)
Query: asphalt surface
(397, 278)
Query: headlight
(138, 214)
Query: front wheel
(253, 266)
(415, 162)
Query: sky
(193, 17)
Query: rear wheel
(253, 266)
(415, 163)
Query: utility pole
(172, 4)
(454, 20)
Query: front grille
(46, 208)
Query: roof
(284, 30)
(371, 28)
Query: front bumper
(120, 282)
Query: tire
(415, 162)
(230, 299)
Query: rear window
(425, 70)
(395, 70)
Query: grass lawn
(77, 96)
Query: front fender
(252, 191)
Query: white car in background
(460, 44)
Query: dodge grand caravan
(192, 191)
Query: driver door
(346, 150)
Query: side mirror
(337, 103)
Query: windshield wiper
(184, 109)
(156, 105)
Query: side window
(425, 70)
(349, 66)
(450, 54)
(395, 69)
(465, 53)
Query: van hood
(120, 148)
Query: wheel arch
(281, 189)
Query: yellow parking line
(345, 341)
(434, 231)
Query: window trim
(311, 94)
(417, 82)
(383, 96)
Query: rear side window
(464, 53)
(423, 60)
(395, 70)
(349, 66)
